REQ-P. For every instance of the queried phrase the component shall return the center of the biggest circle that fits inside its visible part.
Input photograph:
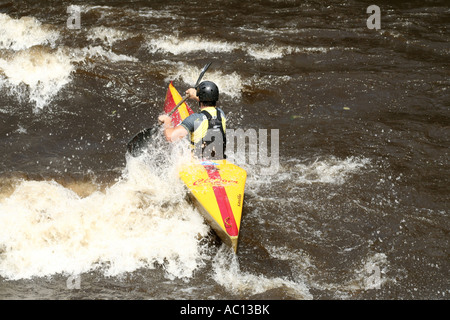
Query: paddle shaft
(179, 104)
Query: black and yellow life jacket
(209, 136)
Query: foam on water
(266, 53)
(100, 52)
(30, 67)
(33, 70)
(108, 36)
(140, 221)
(228, 274)
(176, 46)
(36, 74)
(24, 33)
(229, 84)
(331, 170)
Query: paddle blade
(140, 141)
(173, 97)
(201, 74)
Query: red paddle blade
(173, 97)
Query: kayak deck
(217, 190)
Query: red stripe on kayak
(224, 203)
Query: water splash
(36, 74)
(24, 33)
(228, 274)
(142, 220)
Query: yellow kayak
(216, 187)
(217, 190)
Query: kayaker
(206, 128)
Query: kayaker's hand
(191, 93)
(165, 119)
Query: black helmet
(207, 91)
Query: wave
(35, 70)
(108, 36)
(108, 11)
(36, 74)
(177, 46)
(228, 274)
(298, 173)
(139, 221)
(24, 33)
(90, 52)
(32, 69)
(229, 84)
(329, 171)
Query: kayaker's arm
(172, 134)
(176, 133)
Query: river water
(356, 209)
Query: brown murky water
(358, 208)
